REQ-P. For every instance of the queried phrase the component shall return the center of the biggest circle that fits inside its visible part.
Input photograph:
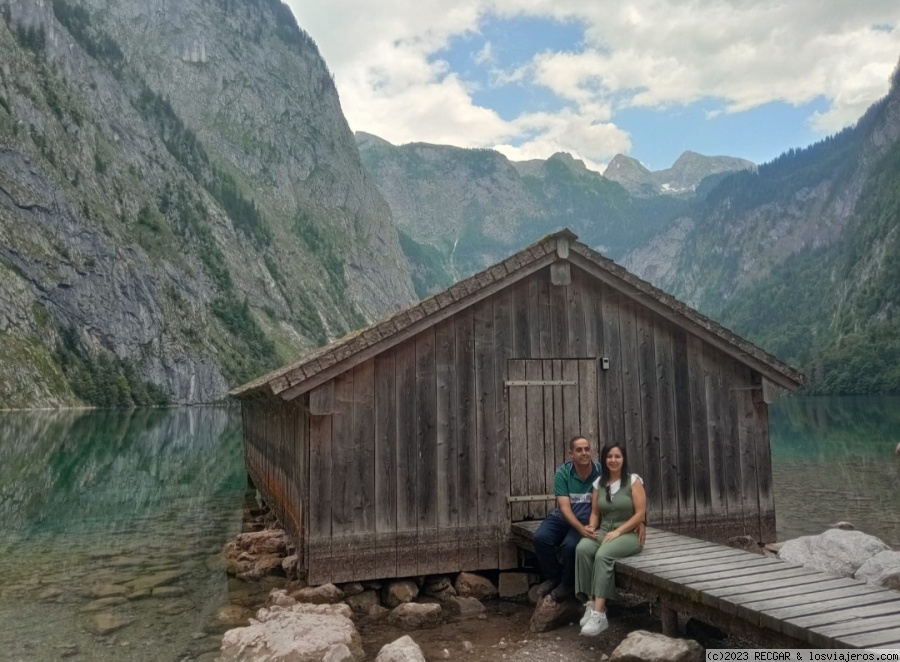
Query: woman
(617, 510)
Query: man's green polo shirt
(567, 483)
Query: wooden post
(669, 618)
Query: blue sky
(647, 78)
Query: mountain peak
(631, 174)
(685, 174)
(621, 162)
(570, 161)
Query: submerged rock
(233, 616)
(102, 603)
(108, 622)
(155, 580)
(107, 591)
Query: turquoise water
(117, 518)
(99, 504)
(833, 460)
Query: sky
(596, 78)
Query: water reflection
(111, 525)
(833, 459)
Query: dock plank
(685, 557)
(808, 583)
(719, 564)
(820, 619)
(863, 625)
(873, 639)
(779, 604)
(787, 574)
(800, 577)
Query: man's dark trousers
(555, 531)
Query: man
(564, 527)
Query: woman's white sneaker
(588, 610)
(596, 623)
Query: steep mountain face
(182, 205)
(801, 255)
(460, 210)
(685, 175)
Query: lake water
(91, 502)
(833, 460)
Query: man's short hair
(576, 438)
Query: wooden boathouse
(412, 446)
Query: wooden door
(550, 401)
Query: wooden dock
(771, 602)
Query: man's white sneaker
(596, 623)
(588, 610)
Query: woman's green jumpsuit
(594, 559)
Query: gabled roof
(326, 362)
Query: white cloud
(644, 53)
(484, 55)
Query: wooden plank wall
(276, 456)
(411, 472)
(690, 416)
(410, 453)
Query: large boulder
(549, 614)
(403, 649)
(643, 646)
(882, 569)
(470, 585)
(254, 555)
(835, 551)
(300, 633)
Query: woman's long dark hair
(604, 470)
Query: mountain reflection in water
(111, 525)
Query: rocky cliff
(182, 205)
(460, 210)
